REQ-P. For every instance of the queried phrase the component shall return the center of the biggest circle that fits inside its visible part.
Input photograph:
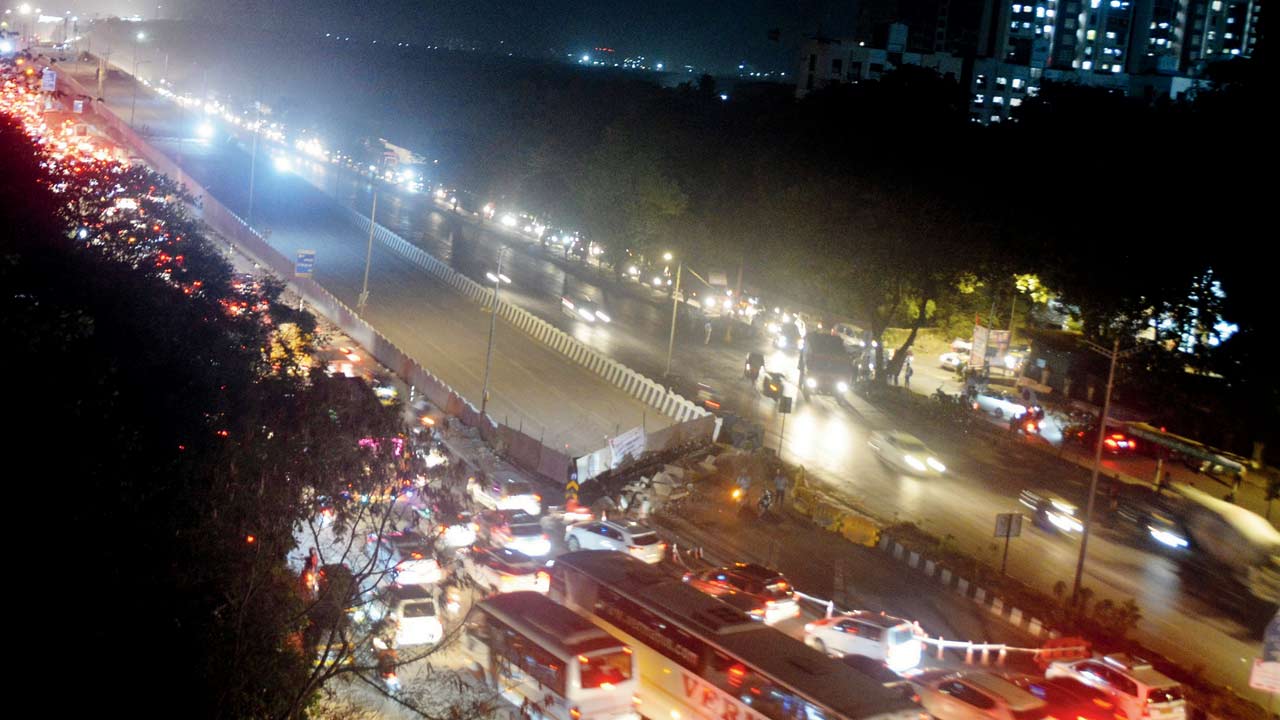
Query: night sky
(717, 34)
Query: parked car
(1002, 404)
(952, 360)
(502, 570)
(406, 556)
(971, 695)
(771, 592)
(628, 537)
(515, 529)
(1138, 690)
(505, 494)
(888, 639)
(905, 452)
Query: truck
(1233, 558)
(826, 367)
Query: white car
(406, 556)
(878, 636)
(628, 537)
(503, 570)
(412, 609)
(1138, 689)
(849, 335)
(952, 360)
(513, 529)
(999, 403)
(976, 696)
(505, 494)
(906, 453)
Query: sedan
(1001, 404)
(970, 695)
(906, 453)
(952, 361)
(503, 570)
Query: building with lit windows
(824, 61)
(1221, 29)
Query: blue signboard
(305, 263)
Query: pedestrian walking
(780, 485)
(908, 375)
(707, 328)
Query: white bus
(700, 658)
(550, 661)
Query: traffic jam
(453, 543)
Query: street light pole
(133, 104)
(253, 157)
(498, 279)
(675, 300)
(368, 255)
(1097, 462)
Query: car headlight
(914, 463)
(933, 463)
(782, 341)
(810, 383)
(1166, 537)
(602, 317)
(842, 386)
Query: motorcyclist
(755, 361)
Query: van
(505, 494)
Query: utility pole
(737, 298)
(497, 279)
(133, 104)
(1114, 354)
(368, 256)
(253, 157)
(675, 300)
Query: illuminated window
(1115, 3)
(1015, 102)
(1217, 5)
(1017, 82)
(997, 100)
(1001, 81)
(1111, 36)
(1017, 8)
(1091, 35)
(1086, 65)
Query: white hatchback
(628, 537)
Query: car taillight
(575, 713)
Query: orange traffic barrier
(1062, 648)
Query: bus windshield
(604, 669)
